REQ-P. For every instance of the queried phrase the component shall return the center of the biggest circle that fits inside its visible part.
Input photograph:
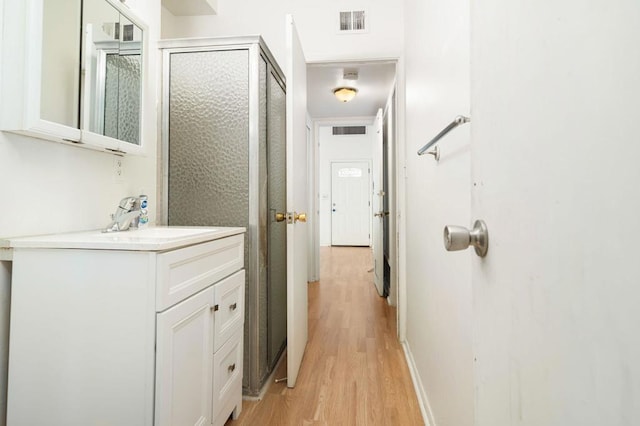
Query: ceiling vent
(349, 130)
(352, 21)
(350, 74)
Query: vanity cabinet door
(183, 362)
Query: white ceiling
(374, 84)
(191, 7)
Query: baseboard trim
(423, 401)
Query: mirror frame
(109, 143)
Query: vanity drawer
(183, 272)
(229, 308)
(227, 376)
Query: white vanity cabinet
(135, 329)
(199, 346)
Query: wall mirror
(112, 85)
(60, 76)
(72, 72)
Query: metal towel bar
(461, 119)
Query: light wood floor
(354, 371)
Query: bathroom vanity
(143, 327)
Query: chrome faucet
(128, 210)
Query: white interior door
(378, 208)
(554, 161)
(296, 73)
(350, 205)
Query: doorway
(376, 83)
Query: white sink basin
(147, 239)
(159, 233)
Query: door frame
(393, 191)
(377, 204)
(398, 164)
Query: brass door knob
(280, 217)
(302, 217)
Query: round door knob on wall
(459, 238)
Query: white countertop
(157, 238)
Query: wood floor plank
(353, 371)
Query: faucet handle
(127, 203)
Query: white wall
(47, 187)
(438, 292)
(316, 24)
(337, 148)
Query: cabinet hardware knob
(215, 308)
(233, 306)
(232, 367)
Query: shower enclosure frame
(254, 375)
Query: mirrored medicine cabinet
(74, 73)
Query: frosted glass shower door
(208, 160)
(277, 195)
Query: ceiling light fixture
(345, 94)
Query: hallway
(354, 370)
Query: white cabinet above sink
(75, 72)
